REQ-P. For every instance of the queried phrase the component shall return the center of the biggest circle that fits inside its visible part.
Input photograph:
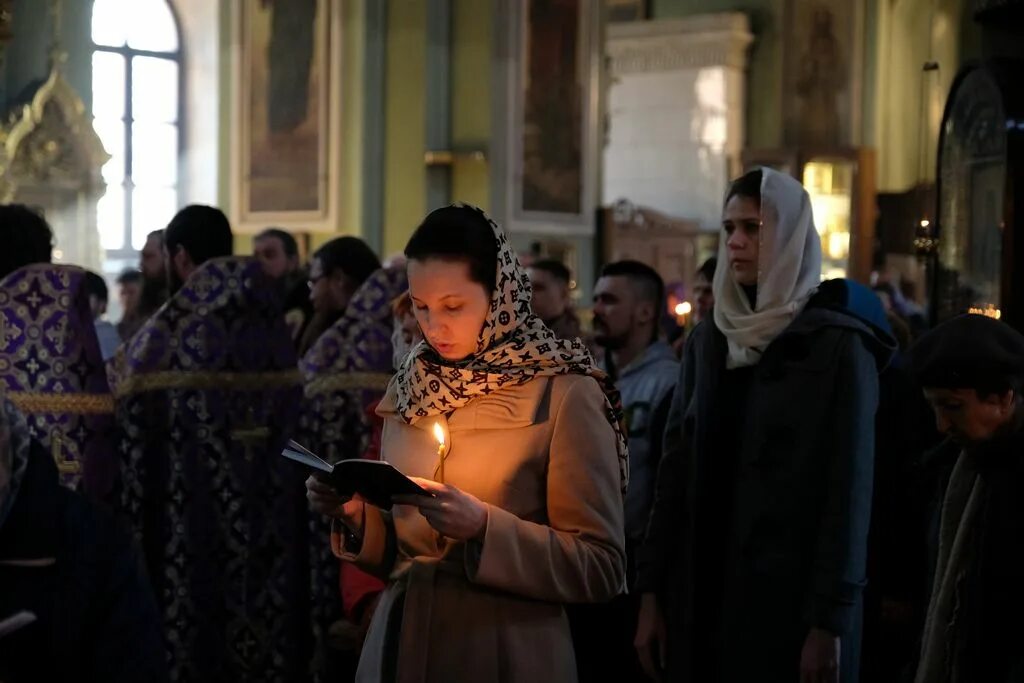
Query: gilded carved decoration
(51, 141)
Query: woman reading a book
(516, 439)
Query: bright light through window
(136, 74)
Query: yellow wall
(351, 176)
(472, 38)
(404, 128)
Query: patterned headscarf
(514, 347)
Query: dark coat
(64, 560)
(986, 633)
(797, 539)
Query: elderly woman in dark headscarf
(972, 372)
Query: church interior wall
(899, 36)
(351, 179)
(911, 33)
(404, 142)
(764, 78)
(472, 49)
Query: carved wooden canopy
(50, 142)
(672, 246)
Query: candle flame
(439, 433)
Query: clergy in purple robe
(207, 394)
(346, 373)
(52, 370)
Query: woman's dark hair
(747, 185)
(458, 233)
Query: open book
(374, 480)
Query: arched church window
(136, 82)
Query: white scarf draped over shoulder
(788, 272)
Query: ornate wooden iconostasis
(674, 247)
(978, 244)
(50, 159)
(976, 248)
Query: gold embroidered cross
(250, 434)
(64, 466)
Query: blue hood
(849, 304)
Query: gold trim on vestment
(349, 381)
(71, 403)
(208, 380)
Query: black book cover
(374, 480)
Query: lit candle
(441, 449)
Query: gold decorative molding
(349, 381)
(203, 380)
(50, 140)
(33, 403)
(673, 44)
(626, 215)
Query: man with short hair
(628, 300)
(154, 281)
(552, 303)
(129, 294)
(53, 370)
(972, 371)
(278, 253)
(26, 238)
(336, 271)
(98, 300)
(206, 399)
(703, 295)
(195, 235)
(151, 258)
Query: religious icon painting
(821, 85)
(287, 107)
(548, 140)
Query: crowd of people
(767, 498)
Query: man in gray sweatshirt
(628, 301)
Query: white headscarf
(788, 271)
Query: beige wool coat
(542, 456)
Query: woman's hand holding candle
(451, 512)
